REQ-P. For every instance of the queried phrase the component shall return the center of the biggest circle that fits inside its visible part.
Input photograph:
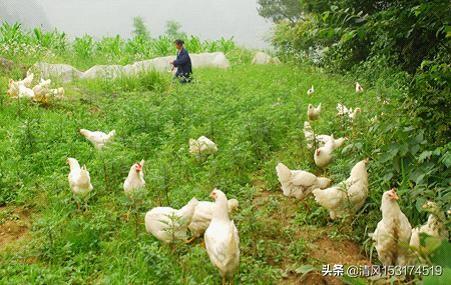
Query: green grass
(255, 114)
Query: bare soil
(321, 250)
(14, 225)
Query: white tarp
(264, 58)
(104, 71)
(63, 71)
(68, 73)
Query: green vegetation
(255, 114)
(140, 29)
(84, 52)
(397, 48)
(173, 30)
(398, 44)
(280, 10)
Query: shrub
(380, 39)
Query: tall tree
(277, 10)
(173, 30)
(140, 28)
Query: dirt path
(320, 247)
(14, 225)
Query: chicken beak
(393, 194)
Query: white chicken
(45, 82)
(13, 86)
(57, 92)
(358, 88)
(434, 226)
(221, 238)
(353, 115)
(323, 155)
(13, 89)
(299, 183)
(309, 135)
(25, 92)
(28, 80)
(311, 91)
(202, 145)
(42, 88)
(19, 90)
(348, 196)
(79, 179)
(323, 139)
(313, 112)
(98, 139)
(135, 178)
(203, 214)
(168, 224)
(392, 233)
(344, 111)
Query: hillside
(353, 95)
(254, 113)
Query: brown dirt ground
(14, 225)
(338, 252)
(312, 278)
(321, 247)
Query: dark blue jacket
(183, 64)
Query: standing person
(182, 63)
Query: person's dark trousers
(183, 78)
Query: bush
(409, 39)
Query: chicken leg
(190, 240)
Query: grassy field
(255, 114)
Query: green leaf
(388, 176)
(419, 179)
(446, 160)
(443, 279)
(347, 148)
(419, 203)
(414, 149)
(386, 157)
(353, 280)
(419, 138)
(347, 36)
(448, 31)
(403, 149)
(359, 146)
(304, 269)
(424, 155)
(441, 253)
